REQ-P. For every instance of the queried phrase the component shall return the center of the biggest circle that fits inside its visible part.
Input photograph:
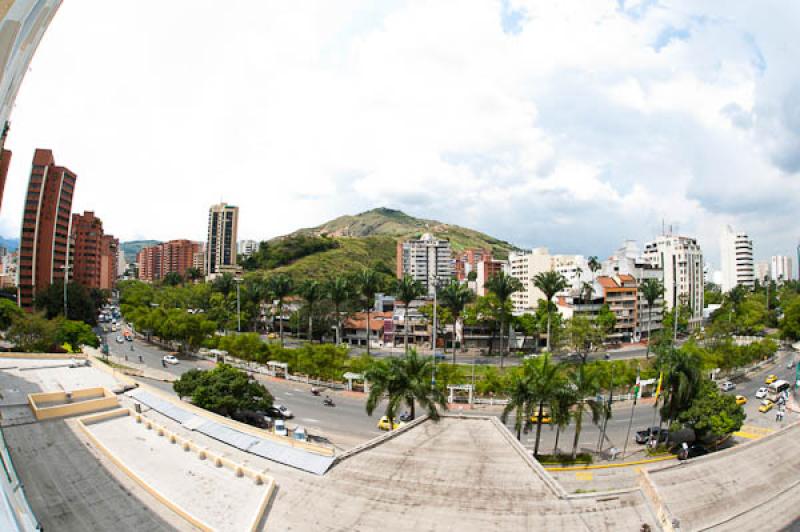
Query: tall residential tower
(681, 260)
(736, 256)
(223, 222)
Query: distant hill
(390, 222)
(11, 244)
(132, 247)
(369, 239)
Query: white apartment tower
(247, 247)
(223, 222)
(736, 255)
(427, 260)
(681, 260)
(780, 268)
(526, 265)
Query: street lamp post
(66, 268)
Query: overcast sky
(569, 124)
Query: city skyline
(717, 151)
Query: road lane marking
(310, 420)
(753, 432)
(583, 475)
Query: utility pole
(630, 421)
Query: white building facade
(780, 268)
(428, 260)
(736, 256)
(681, 260)
(526, 265)
(247, 247)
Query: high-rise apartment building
(247, 247)
(525, 265)
(736, 256)
(427, 260)
(223, 223)
(467, 261)
(681, 260)
(94, 254)
(175, 256)
(780, 268)
(45, 227)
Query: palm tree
(281, 286)
(402, 380)
(455, 297)
(193, 274)
(503, 286)
(594, 265)
(546, 381)
(681, 371)
(224, 284)
(560, 411)
(585, 385)
(652, 289)
(408, 289)
(339, 291)
(550, 283)
(313, 293)
(368, 285)
(520, 401)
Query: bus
(776, 389)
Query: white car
(727, 386)
(170, 359)
(287, 414)
(120, 339)
(280, 428)
(761, 393)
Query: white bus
(776, 389)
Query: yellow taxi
(741, 399)
(545, 418)
(766, 406)
(383, 424)
(770, 379)
(272, 336)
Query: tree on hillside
(503, 287)
(339, 291)
(652, 289)
(368, 284)
(455, 296)
(407, 290)
(280, 286)
(550, 283)
(312, 292)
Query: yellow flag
(658, 388)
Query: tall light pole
(66, 268)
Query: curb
(612, 466)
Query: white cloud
(587, 124)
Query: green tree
(281, 287)
(503, 287)
(312, 292)
(455, 296)
(33, 333)
(76, 334)
(520, 401)
(712, 414)
(549, 283)
(652, 290)
(8, 312)
(339, 292)
(584, 384)
(407, 290)
(560, 410)
(224, 390)
(193, 274)
(681, 381)
(546, 381)
(80, 304)
(790, 324)
(368, 284)
(172, 279)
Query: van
(280, 428)
(300, 434)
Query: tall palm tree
(280, 286)
(339, 291)
(652, 289)
(560, 411)
(594, 266)
(546, 381)
(406, 290)
(550, 283)
(455, 296)
(682, 378)
(403, 380)
(312, 292)
(520, 401)
(585, 384)
(193, 274)
(369, 284)
(503, 286)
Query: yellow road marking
(583, 475)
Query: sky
(573, 125)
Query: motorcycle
(328, 402)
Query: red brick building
(94, 254)
(467, 261)
(177, 256)
(45, 226)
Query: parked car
(383, 424)
(545, 420)
(761, 393)
(727, 386)
(741, 399)
(644, 436)
(251, 418)
(770, 379)
(766, 406)
(691, 451)
(170, 359)
(300, 434)
(280, 428)
(405, 417)
(274, 413)
(285, 412)
(439, 357)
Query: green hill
(348, 243)
(397, 224)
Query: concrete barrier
(44, 356)
(81, 401)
